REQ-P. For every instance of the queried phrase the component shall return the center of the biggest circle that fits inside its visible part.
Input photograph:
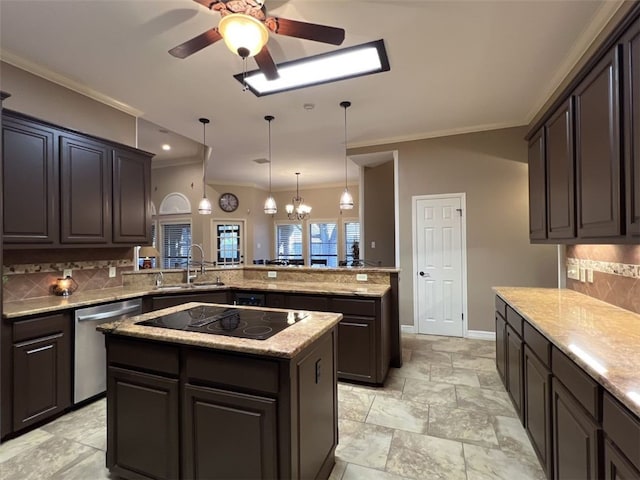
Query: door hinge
(459, 210)
(463, 317)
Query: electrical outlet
(583, 274)
(361, 277)
(67, 272)
(373, 244)
(272, 274)
(112, 272)
(590, 275)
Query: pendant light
(270, 207)
(204, 207)
(297, 209)
(346, 199)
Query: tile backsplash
(31, 280)
(616, 273)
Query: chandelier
(298, 210)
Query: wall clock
(228, 202)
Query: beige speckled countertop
(607, 334)
(284, 344)
(53, 303)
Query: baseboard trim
(481, 335)
(407, 329)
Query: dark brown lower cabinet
(246, 449)
(576, 437)
(356, 348)
(165, 301)
(180, 411)
(537, 407)
(41, 373)
(514, 369)
(616, 465)
(142, 430)
(501, 346)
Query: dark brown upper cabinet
(631, 82)
(537, 188)
(67, 189)
(85, 182)
(131, 194)
(560, 173)
(30, 183)
(597, 113)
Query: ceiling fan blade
(206, 3)
(266, 64)
(308, 31)
(196, 43)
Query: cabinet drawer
(244, 372)
(150, 356)
(40, 327)
(308, 302)
(353, 306)
(622, 428)
(515, 320)
(501, 307)
(581, 385)
(538, 344)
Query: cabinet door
(616, 465)
(560, 172)
(598, 160)
(537, 188)
(537, 407)
(501, 346)
(85, 200)
(514, 370)
(228, 435)
(308, 302)
(142, 431)
(41, 378)
(631, 82)
(575, 438)
(30, 183)
(356, 348)
(131, 197)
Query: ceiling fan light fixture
(243, 34)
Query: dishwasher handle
(109, 314)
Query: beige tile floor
(443, 415)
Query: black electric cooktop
(233, 322)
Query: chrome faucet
(190, 261)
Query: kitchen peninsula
(228, 407)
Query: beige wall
(187, 179)
(378, 215)
(490, 168)
(49, 101)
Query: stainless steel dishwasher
(89, 371)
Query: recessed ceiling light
(351, 62)
(166, 147)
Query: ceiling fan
(245, 27)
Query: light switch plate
(361, 277)
(272, 274)
(112, 272)
(573, 272)
(67, 272)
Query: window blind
(324, 243)
(351, 237)
(176, 238)
(289, 241)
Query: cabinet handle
(37, 340)
(46, 347)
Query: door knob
(422, 274)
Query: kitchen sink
(190, 286)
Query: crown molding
(65, 82)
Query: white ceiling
(456, 66)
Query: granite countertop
(578, 324)
(285, 344)
(54, 303)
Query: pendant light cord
(345, 105)
(204, 122)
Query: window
(289, 241)
(154, 242)
(229, 243)
(352, 242)
(176, 239)
(323, 239)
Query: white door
(439, 264)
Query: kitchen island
(187, 404)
